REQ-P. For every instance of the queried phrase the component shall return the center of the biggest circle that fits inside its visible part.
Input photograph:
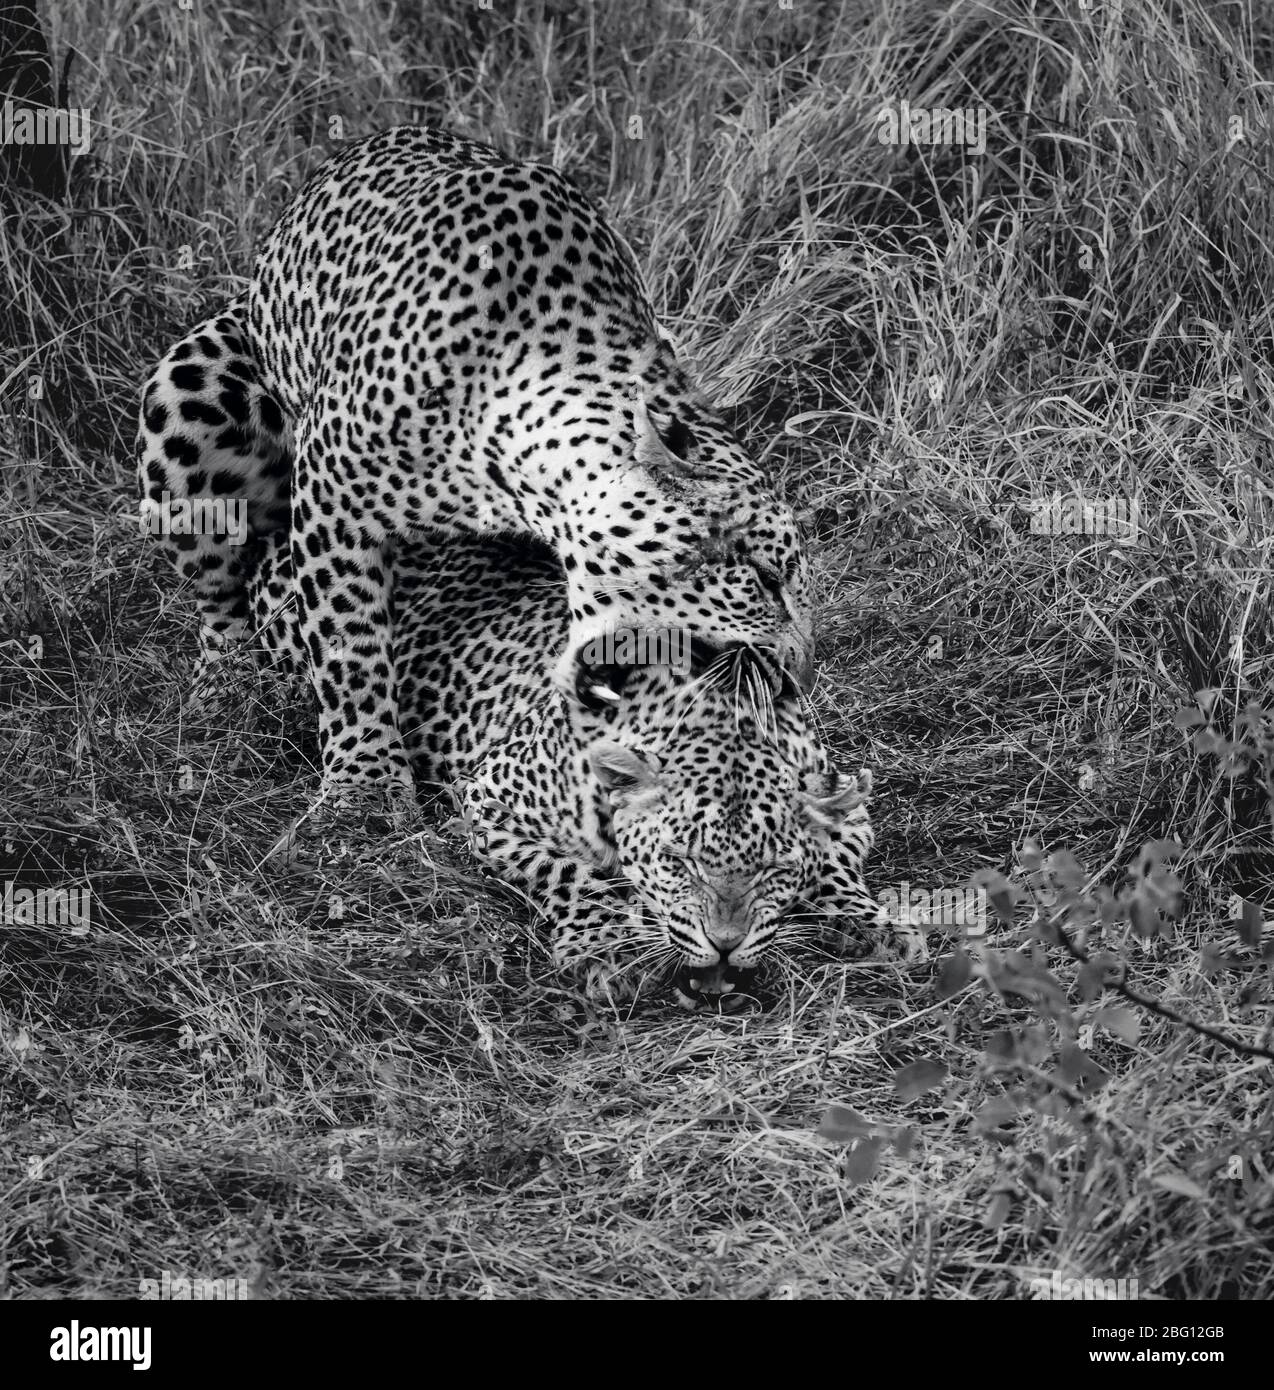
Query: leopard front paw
(609, 981)
(900, 939)
(345, 823)
(909, 942)
(374, 802)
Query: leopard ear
(831, 809)
(623, 772)
(678, 438)
(664, 443)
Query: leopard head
(721, 834)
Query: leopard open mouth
(600, 687)
(722, 985)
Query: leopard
(692, 828)
(440, 340)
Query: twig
(1153, 1005)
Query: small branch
(1153, 1005)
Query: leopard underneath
(693, 821)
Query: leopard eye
(770, 580)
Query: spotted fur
(694, 822)
(437, 337)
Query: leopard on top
(434, 336)
(678, 824)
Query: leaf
(1078, 1069)
(1001, 1046)
(1111, 909)
(863, 1160)
(1111, 964)
(995, 1113)
(1002, 903)
(841, 1124)
(1249, 922)
(918, 1077)
(1213, 960)
(1033, 1044)
(1042, 929)
(1156, 852)
(1057, 1107)
(1123, 1023)
(1025, 977)
(1178, 1182)
(1163, 887)
(1208, 741)
(997, 1211)
(1251, 994)
(1066, 869)
(1031, 857)
(1000, 893)
(1091, 981)
(1026, 1047)
(954, 973)
(1144, 916)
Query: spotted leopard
(693, 822)
(434, 336)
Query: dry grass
(362, 1080)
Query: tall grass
(361, 1079)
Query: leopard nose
(725, 939)
(727, 917)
